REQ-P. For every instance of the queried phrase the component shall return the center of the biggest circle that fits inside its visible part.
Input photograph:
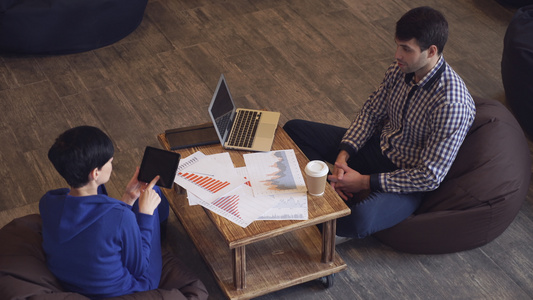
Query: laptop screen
(222, 109)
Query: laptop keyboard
(243, 132)
(223, 122)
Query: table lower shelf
(277, 263)
(272, 264)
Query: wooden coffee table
(266, 256)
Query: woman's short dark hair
(427, 25)
(78, 151)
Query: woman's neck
(86, 190)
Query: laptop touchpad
(266, 130)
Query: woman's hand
(149, 199)
(133, 189)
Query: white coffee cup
(316, 172)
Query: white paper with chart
(288, 207)
(239, 206)
(213, 182)
(274, 173)
(208, 176)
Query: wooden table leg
(239, 267)
(328, 241)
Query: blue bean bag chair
(66, 26)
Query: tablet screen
(186, 137)
(159, 162)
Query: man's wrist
(343, 156)
(373, 182)
(366, 182)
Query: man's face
(409, 56)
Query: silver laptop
(237, 128)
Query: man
(405, 138)
(96, 245)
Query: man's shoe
(341, 239)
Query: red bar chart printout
(208, 176)
(239, 206)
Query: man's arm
(451, 124)
(370, 117)
(362, 128)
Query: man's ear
(433, 50)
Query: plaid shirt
(421, 133)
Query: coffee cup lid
(316, 168)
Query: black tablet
(159, 162)
(191, 136)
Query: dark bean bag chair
(481, 194)
(515, 3)
(24, 275)
(517, 67)
(66, 26)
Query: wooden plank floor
(312, 59)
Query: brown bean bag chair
(24, 275)
(480, 196)
(515, 3)
(517, 67)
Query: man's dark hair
(427, 25)
(78, 151)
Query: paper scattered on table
(208, 176)
(239, 206)
(213, 182)
(288, 207)
(274, 172)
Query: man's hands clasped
(345, 180)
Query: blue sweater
(98, 246)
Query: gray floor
(313, 59)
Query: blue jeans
(379, 210)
